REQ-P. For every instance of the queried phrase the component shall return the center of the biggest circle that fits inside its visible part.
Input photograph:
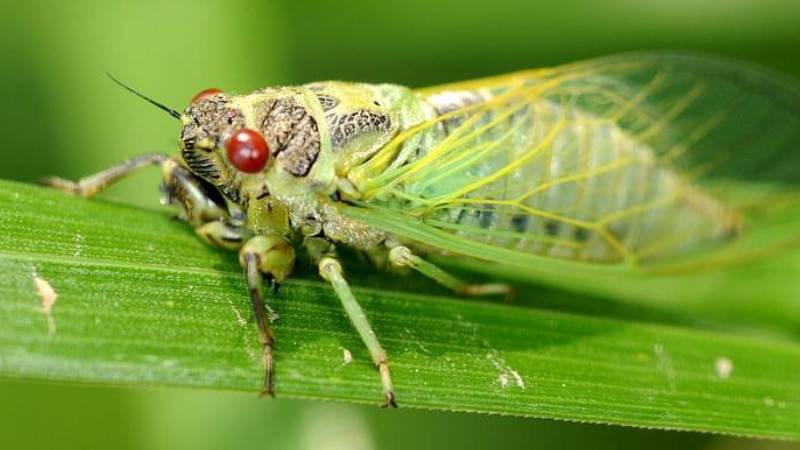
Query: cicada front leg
(260, 256)
(402, 256)
(271, 257)
(330, 269)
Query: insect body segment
(522, 170)
(619, 160)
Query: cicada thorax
(320, 129)
(361, 118)
(538, 176)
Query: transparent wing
(625, 158)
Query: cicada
(623, 164)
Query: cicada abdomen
(562, 165)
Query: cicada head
(217, 145)
(236, 142)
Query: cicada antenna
(133, 91)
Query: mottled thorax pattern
(359, 119)
(292, 134)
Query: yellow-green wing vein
(628, 158)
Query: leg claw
(389, 403)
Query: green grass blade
(142, 301)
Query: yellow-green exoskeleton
(618, 162)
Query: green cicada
(626, 166)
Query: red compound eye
(205, 93)
(247, 150)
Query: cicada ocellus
(633, 164)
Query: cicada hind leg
(402, 256)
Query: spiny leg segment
(260, 256)
(330, 269)
(274, 257)
(265, 333)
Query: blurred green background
(60, 115)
